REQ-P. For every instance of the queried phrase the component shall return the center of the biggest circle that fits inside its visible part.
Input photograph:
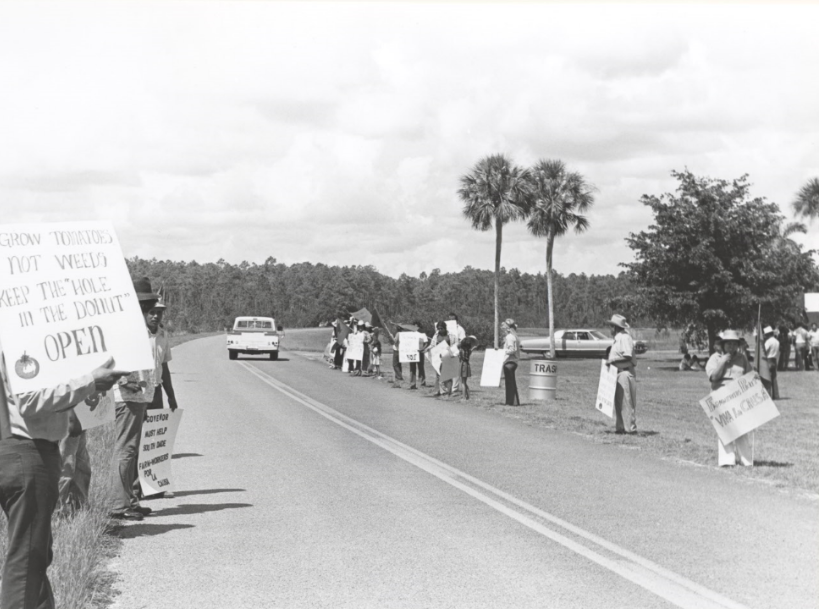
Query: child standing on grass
(375, 355)
(465, 352)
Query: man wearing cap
(31, 425)
(723, 367)
(621, 355)
(132, 395)
(771, 347)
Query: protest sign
(67, 304)
(492, 367)
(452, 326)
(436, 353)
(739, 407)
(355, 347)
(408, 347)
(155, 450)
(812, 307)
(606, 389)
(450, 367)
(96, 410)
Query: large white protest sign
(355, 347)
(450, 367)
(67, 303)
(452, 326)
(492, 367)
(436, 353)
(408, 347)
(606, 389)
(96, 410)
(156, 449)
(739, 407)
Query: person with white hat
(771, 347)
(723, 367)
(621, 355)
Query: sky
(338, 132)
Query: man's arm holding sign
(65, 396)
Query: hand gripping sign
(67, 304)
(156, 449)
(739, 407)
(606, 389)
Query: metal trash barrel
(542, 379)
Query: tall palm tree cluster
(549, 197)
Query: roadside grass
(670, 419)
(85, 540)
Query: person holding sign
(511, 349)
(132, 395)
(722, 368)
(621, 355)
(31, 425)
(440, 336)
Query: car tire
(274, 356)
(233, 354)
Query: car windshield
(599, 335)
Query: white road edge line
(666, 584)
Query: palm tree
(807, 200)
(494, 193)
(558, 199)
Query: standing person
(354, 338)
(422, 371)
(813, 335)
(724, 366)
(366, 337)
(440, 336)
(398, 369)
(375, 350)
(784, 356)
(800, 343)
(511, 348)
(132, 394)
(338, 347)
(31, 425)
(464, 353)
(772, 355)
(622, 356)
(455, 340)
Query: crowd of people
(44, 461)
(356, 347)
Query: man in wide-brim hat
(723, 368)
(621, 355)
(771, 346)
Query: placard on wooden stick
(606, 389)
(492, 367)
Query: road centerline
(652, 577)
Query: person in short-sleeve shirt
(621, 355)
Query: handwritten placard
(67, 303)
(156, 449)
(492, 367)
(355, 347)
(437, 353)
(606, 389)
(739, 407)
(408, 347)
(450, 367)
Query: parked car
(254, 335)
(577, 342)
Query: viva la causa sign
(739, 407)
(67, 304)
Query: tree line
(207, 297)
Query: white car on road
(255, 336)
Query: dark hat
(144, 292)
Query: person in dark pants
(422, 373)
(31, 425)
(784, 356)
(511, 348)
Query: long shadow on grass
(772, 464)
(637, 434)
(183, 455)
(198, 508)
(209, 491)
(146, 530)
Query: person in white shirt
(801, 343)
(813, 336)
(511, 348)
(771, 346)
(455, 339)
(621, 355)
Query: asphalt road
(300, 486)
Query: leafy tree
(714, 254)
(494, 193)
(558, 198)
(806, 203)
